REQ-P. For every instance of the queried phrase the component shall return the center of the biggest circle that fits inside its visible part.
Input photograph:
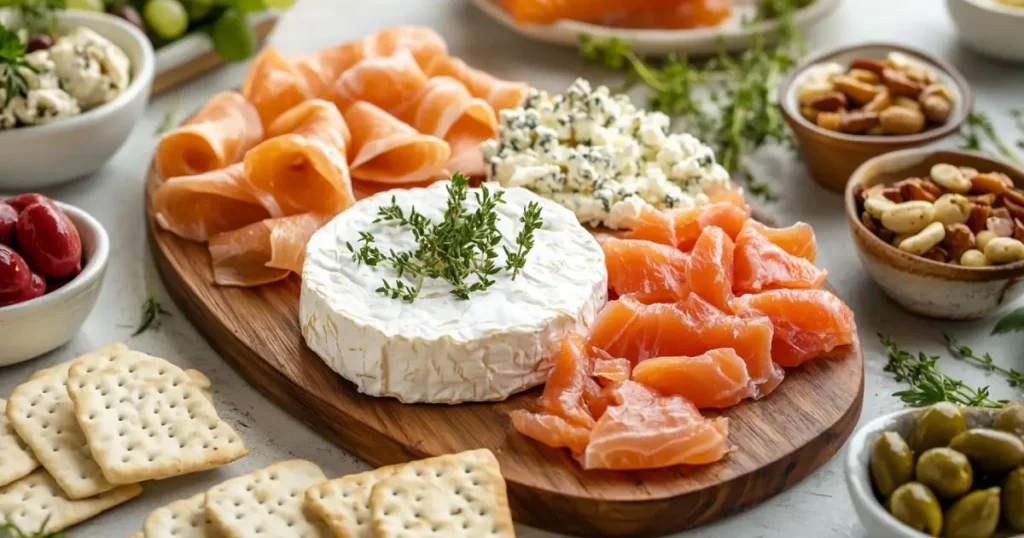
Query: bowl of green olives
(940, 471)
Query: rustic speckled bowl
(922, 286)
(832, 156)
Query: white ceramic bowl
(732, 34)
(989, 27)
(34, 327)
(878, 522)
(38, 156)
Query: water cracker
(37, 500)
(344, 503)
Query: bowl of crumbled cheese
(69, 100)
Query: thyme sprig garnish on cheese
(461, 249)
(12, 61)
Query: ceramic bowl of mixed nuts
(859, 102)
(942, 232)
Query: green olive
(937, 426)
(990, 450)
(946, 471)
(916, 506)
(1013, 500)
(1011, 419)
(976, 515)
(892, 463)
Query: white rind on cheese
(440, 348)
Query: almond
(901, 121)
(869, 64)
(858, 122)
(893, 194)
(987, 183)
(979, 217)
(830, 102)
(959, 239)
(900, 84)
(912, 189)
(859, 92)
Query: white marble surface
(817, 507)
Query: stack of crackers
(98, 426)
(457, 496)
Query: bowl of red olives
(52, 260)
(943, 470)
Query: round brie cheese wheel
(439, 348)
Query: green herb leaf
(1012, 322)
(1013, 377)
(152, 310)
(12, 61)
(978, 133)
(927, 384)
(168, 123)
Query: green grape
(279, 4)
(233, 37)
(167, 18)
(250, 6)
(86, 5)
(198, 9)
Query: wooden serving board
(779, 440)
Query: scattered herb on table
(458, 250)
(978, 133)
(927, 384)
(168, 123)
(1018, 122)
(152, 310)
(12, 61)
(1013, 377)
(10, 530)
(1012, 322)
(739, 114)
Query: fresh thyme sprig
(738, 114)
(1013, 377)
(978, 132)
(12, 61)
(458, 250)
(152, 310)
(167, 123)
(928, 385)
(10, 530)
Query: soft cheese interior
(439, 348)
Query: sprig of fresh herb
(10, 530)
(1012, 322)
(1013, 377)
(152, 310)
(12, 61)
(978, 132)
(1018, 122)
(739, 113)
(167, 123)
(459, 250)
(927, 384)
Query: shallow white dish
(732, 34)
(34, 327)
(878, 522)
(43, 155)
(991, 28)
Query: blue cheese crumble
(601, 157)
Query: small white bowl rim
(138, 84)
(93, 266)
(923, 153)
(996, 8)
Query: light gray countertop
(819, 506)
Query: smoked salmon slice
(797, 239)
(710, 267)
(263, 252)
(385, 150)
(304, 167)
(611, 370)
(808, 323)
(761, 265)
(652, 225)
(273, 85)
(501, 94)
(563, 393)
(551, 430)
(689, 223)
(218, 135)
(385, 81)
(645, 430)
(549, 11)
(716, 379)
(647, 271)
(197, 207)
(628, 329)
(444, 108)
(685, 15)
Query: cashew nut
(908, 217)
(1004, 250)
(951, 178)
(973, 258)
(875, 205)
(952, 209)
(982, 238)
(923, 241)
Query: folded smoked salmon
(661, 14)
(392, 109)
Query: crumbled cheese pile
(600, 156)
(80, 71)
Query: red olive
(39, 42)
(48, 240)
(15, 275)
(54, 284)
(21, 201)
(35, 288)
(8, 220)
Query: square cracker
(268, 503)
(28, 503)
(16, 460)
(456, 496)
(44, 417)
(145, 419)
(344, 503)
(181, 519)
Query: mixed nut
(951, 481)
(894, 96)
(954, 215)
